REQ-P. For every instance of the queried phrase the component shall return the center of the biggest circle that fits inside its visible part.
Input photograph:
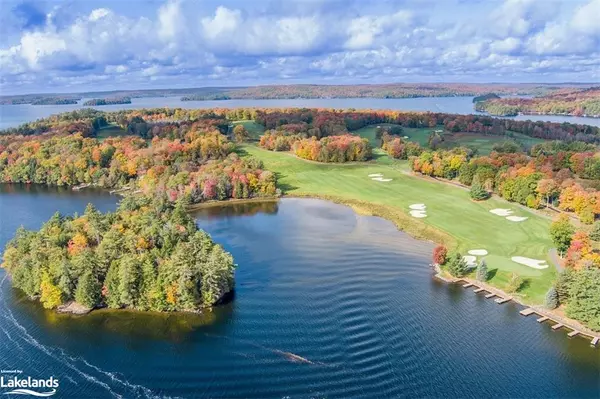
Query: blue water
(14, 115)
(349, 294)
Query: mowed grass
(449, 210)
(110, 131)
(255, 130)
(482, 143)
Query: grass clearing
(110, 131)
(452, 217)
(255, 130)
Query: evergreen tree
(456, 265)
(482, 271)
(478, 192)
(595, 233)
(88, 290)
(552, 298)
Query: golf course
(452, 217)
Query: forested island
(172, 158)
(148, 255)
(580, 102)
(107, 101)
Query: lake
(14, 115)
(328, 304)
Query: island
(107, 101)
(485, 97)
(484, 189)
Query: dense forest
(148, 255)
(584, 102)
(391, 90)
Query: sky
(71, 46)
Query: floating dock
(467, 285)
(527, 312)
(557, 326)
(573, 333)
(478, 290)
(500, 301)
(595, 341)
(490, 295)
(543, 319)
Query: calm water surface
(14, 115)
(349, 294)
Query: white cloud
(180, 41)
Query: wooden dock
(527, 312)
(543, 314)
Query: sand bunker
(533, 263)
(405, 137)
(418, 214)
(380, 179)
(418, 207)
(470, 260)
(501, 212)
(516, 218)
(478, 252)
(376, 175)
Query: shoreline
(550, 314)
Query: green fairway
(482, 143)
(254, 129)
(449, 210)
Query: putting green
(449, 209)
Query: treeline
(396, 90)
(324, 122)
(342, 148)
(199, 166)
(399, 148)
(574, 102)
(556, 174)
(107, 101)
(148, 255)
(320, 122)
(578, 286)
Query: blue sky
(66, 46)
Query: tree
(440, 254)
(478, 192)
(552, 298)
(50, 294)
(584, 297)
(548, 189)
(240, 134)
(561, 232)
(595, 233)
(457, 266)
(515, 283)
(482, 271)
(88, 290)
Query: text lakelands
(16, 382)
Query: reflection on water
(242, 208)
(328, 304)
